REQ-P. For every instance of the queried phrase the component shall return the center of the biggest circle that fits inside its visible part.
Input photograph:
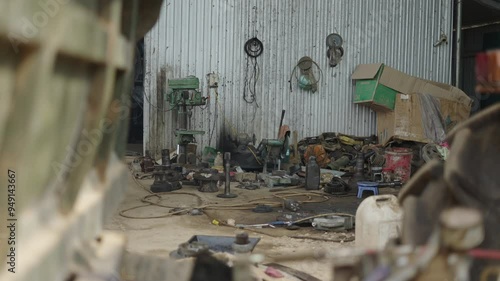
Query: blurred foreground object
(65, 73)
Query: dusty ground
(160, 236)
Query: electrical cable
(202, 208)
(283, 195)
(157, 108)
(253, 48)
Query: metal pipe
(458, 43)
(227, 186)
(165, 157)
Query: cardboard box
(406, 122)
(370, 89)
(378, 84)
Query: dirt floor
(161, 236)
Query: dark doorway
(136, 124)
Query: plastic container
(397, 164)
(378, 220)
(313, 174)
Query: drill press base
(229, 195)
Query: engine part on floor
(189, 250)
(339, 163)
(390, 184)
(273, 181)
(248, 186)
(433, 151)
(261, 208)
(242, 243)
(292, 205)
(245, 177)
(359, 174)
(207, 180)
(333, 223)
(165, 180)
(227, 187)
(165, 157)
(313, 174)
(136, 167)
(148, 165)
(274, 151)
(376, 174)
(221, 244)
(243, 152)
(337, 186)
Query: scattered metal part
(292, 227)
(242, 243)
(221, 243)
(248, 186)
(179, 211)
(292, 205)
(430, 152)
(333, 223)
(227, 188)
(377, 174)
(262, 209)
(165, 157)
(390, 184)
(279, 173)
(339, 163)
(165, 180)
(196, 212)
(148, 163)
(337, 186)
(189, 249)
(207, 180)
(272, 181)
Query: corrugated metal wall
(196, 37)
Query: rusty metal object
(227, 188)
(207, 179)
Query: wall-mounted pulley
(335, 51)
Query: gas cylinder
(313, 174)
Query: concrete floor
(160, 236)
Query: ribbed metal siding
(197, 37)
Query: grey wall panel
(196, 37)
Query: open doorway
(136, 128)
(480, 26)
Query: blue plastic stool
(367, 185)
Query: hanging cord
(253, 48)
(250, 84)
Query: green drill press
(184, 93)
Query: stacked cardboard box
(399, 100)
